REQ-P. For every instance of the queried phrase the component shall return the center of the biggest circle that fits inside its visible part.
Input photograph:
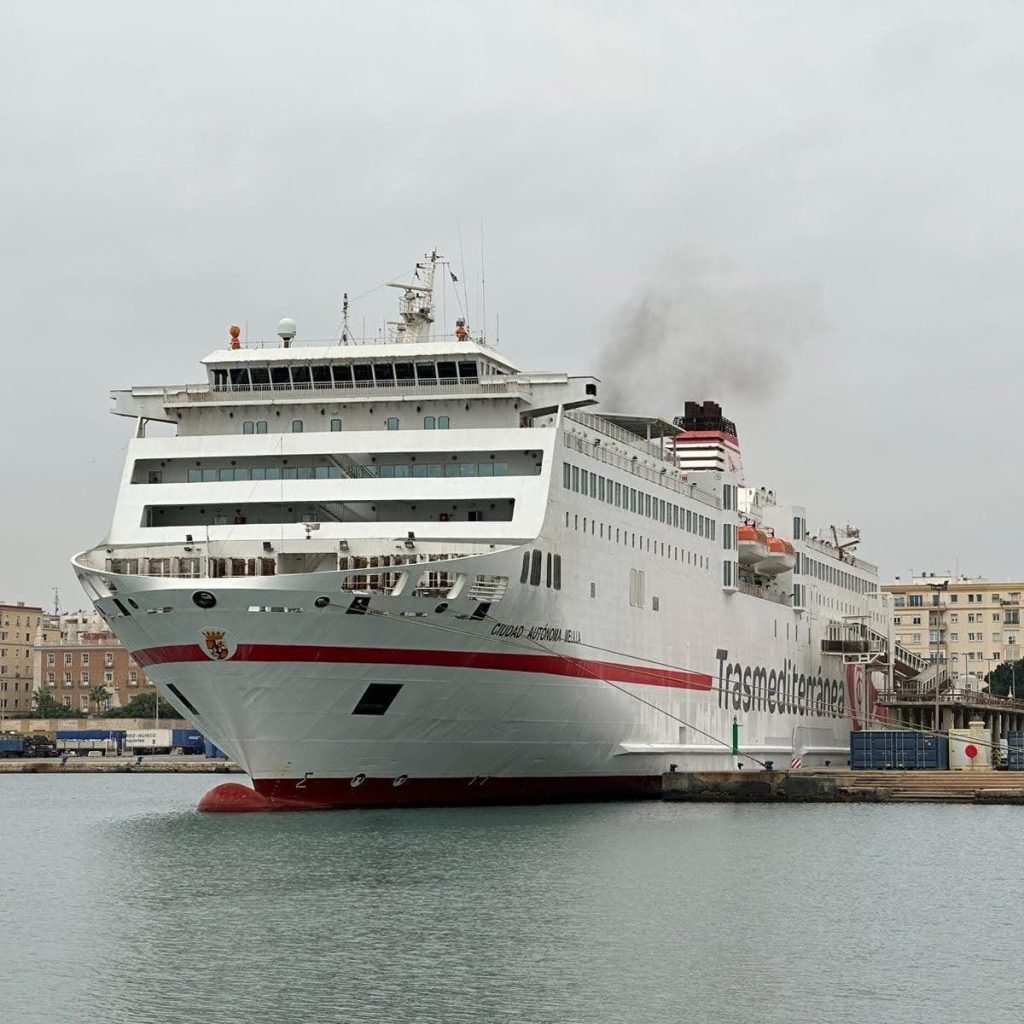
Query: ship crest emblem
(216, 645)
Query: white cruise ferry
(409, 573)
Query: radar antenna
(416, 306)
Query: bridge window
(404, 372)
(342, 373)
(384, 373)
(260, 376)
(426, 373)
(362, 373)
(446, 373)
(322, 376)
(239, 378)
(468, 371)
(280, 378)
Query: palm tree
(100, 698)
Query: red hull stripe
(328, 794)
(542, 664)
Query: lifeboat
(752, 545)
(781, 558)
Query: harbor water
(121, 903)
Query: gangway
(859, 644)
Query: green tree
(46, 706)
(100, 699)
(143, 705)
(1006, 678)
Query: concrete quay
(162, 765)
(972, 786)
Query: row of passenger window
(630, 499)
(385, 472)
(831, 574)
(345, 375)
(391, 423)
(436, 469)
(532, 564)
(634, 540)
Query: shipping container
(188, 741)
(871, 751)
(11, 747)
(149, 741)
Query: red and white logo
(217, 645)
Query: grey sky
(172, 169)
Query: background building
(76, 653)
(18, 626)
(966, 623)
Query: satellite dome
(286, 329)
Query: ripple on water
(142, 910)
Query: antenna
(345, 336)
(56, 601)
(483, 287)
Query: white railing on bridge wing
(241, 393)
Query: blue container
(893, 749)
(11, 747)
(189, 740)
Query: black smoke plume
(701, 329)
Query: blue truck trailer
(188, 741)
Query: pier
(158, 765)
(841, 785)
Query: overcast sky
(849, 175)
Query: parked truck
(27, 746)
(83, 742)
(187, 741)
(149, 741)
(39, 746)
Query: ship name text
(781, 691)
(545, 634)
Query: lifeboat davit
(781, 558)
(752, 545)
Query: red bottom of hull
(337, 794)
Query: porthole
(441, 608)
(203, 599)
(358, 780)
(322, 602)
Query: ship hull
(330, 708)
(346, 793)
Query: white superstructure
(409, 572)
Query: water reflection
(591, 913)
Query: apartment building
(75, 653)
(18, 625)
(969, 624)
